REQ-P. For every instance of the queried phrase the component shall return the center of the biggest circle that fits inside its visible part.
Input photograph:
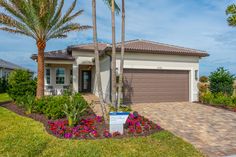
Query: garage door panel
(150, 86)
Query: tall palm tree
(96, 51)
(113, 66)
(122, 55)
(231, 12)
(41, 20)
(97, 62)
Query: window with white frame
(60, 76)
(48, 76)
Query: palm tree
(113, 66)
(122, 55)
(41, 20)
(231, 11)
(97, 62)
(96, 52)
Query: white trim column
(75, 77)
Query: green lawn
(4, 97)
(22, 136)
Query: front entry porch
(60, 78)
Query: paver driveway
(211, 130)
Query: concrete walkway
(211, 130)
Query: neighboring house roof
(134, 46)
(8, 65)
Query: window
(60, 76)
(48, 76)
(71, 76)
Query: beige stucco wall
(53, 67)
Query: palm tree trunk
(40, 82)
(97, 62)
(122, 55)
(113, 56)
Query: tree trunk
(40, 82)
(97, 62)
(122, 55)
(113, 56)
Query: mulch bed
(219, 106)
(97, 129)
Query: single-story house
(7, 67)
(153, 72)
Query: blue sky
(199, 24)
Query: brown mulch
(43, 119)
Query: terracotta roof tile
(134, 46)
(56, 55)
(145, 46)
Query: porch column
(75, 77)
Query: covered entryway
(152, 86)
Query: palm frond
(12, 23)
(15, 31)
(57, 14)
(68, 28)
(232, 20)
(231, 9)
(109, 4)
(31, 19)
(63, 20)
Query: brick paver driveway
(211, 130)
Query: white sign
(117, 121)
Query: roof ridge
(86, 44)
(128, 41)
(174, 46)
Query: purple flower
(68, 135)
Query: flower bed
(93, 127)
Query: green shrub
(53, 106)
(221, 81)
(203, 79)
(27, 102)
(222, 100)
(207, 98)
(75, 108)
(3, 85)
(219, 99)
(21, 83)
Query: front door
(86, 81)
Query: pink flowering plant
(137, 124)
(86, 128)
(92, 127)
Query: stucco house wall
(53, 68)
